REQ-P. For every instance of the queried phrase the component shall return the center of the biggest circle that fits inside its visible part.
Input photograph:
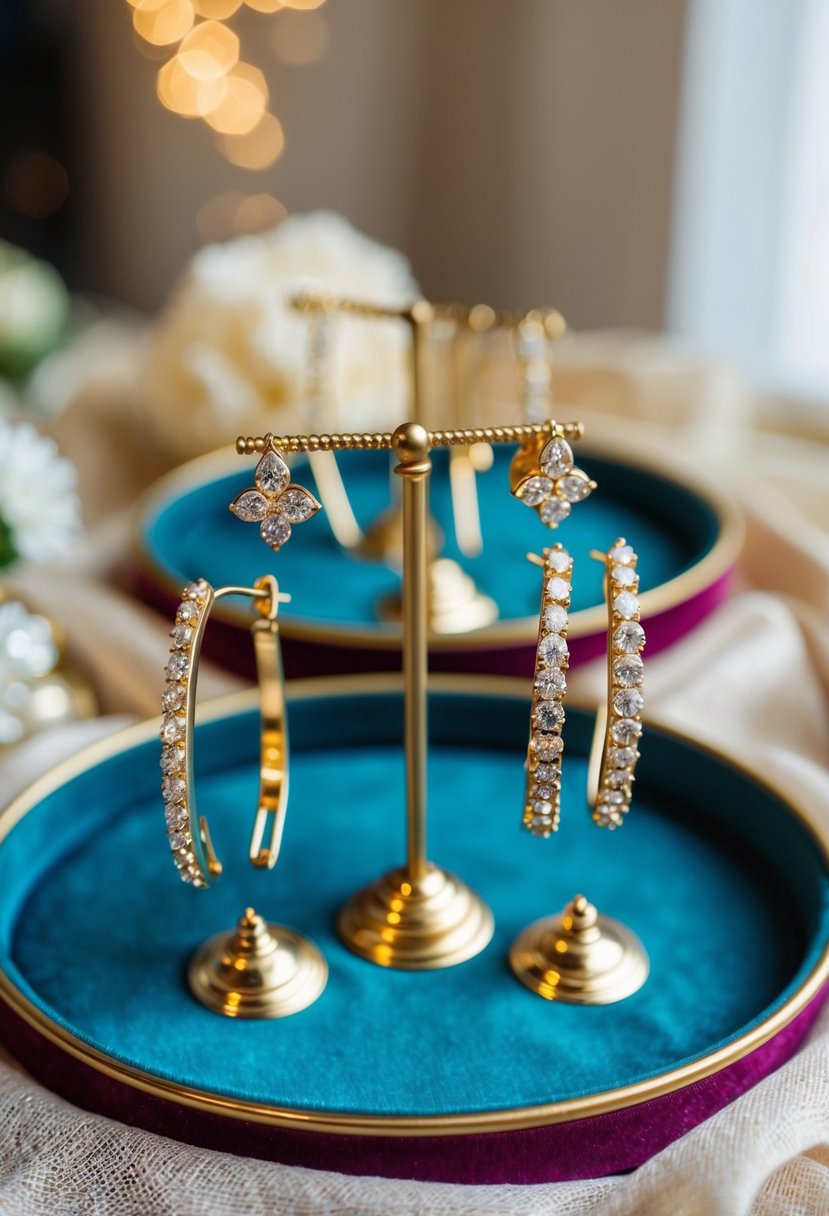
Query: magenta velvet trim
(230, 645)
(584, 1148)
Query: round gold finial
(580, 957)
(257, 971)
(411, 442)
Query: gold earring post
(418, 917)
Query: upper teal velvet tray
(721, 879)
(686, 536)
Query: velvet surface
(96, 928)
(670, 527)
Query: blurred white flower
(40, 514)
(229, 354)
(34, 307)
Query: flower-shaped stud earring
(548, 480)
(275, 504)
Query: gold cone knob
(579, 957)
(257, 971)
(416, 925)
(454, 603)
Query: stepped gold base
(455, 605)
(580, 957)
(257, 971)
(434, 922)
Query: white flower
(38, 503)
(229, 354)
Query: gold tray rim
(346, 1123)
(719, 559)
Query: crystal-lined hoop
(615, 747)
(189, 836)
(543, 790)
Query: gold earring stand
(419, 916)
(257, 971)
(580, 957)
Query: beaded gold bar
(248, 445)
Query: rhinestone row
(624, 719)
(173, 730)
(543, 794)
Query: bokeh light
(303, 4)
(184, 95)
(216, 10)
(162, 22)
(261, 148)
(299, 38)
(211, 50)
(243, 104)
(265, 6)
(233, 213)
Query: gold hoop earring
(543, 790)
(615, 749)
(187, 834)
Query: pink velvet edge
(584, 1148)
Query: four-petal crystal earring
(188, 835)
(615, 748)
(275, 504)
(543, 788)
(543, 476)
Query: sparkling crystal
(173, 697)
(554, 510)
(547, 747)
(178, 840)
(622, 757)
(553, 650)
(622, 555)
(555, 617)
(626, 730)
(275, 531)
(625, 576)
(541, 825)
(618, 779)
(197, 590)
(172, 759)
(172, 728)
(628, 671)
(188, 612)
(250, 505)
(548, 715)
(546, 772)
(550, 683)
(558, 588)
(629, 637)
(175, 816)
(612, 797)
(575, 486)
(559, 560)
(178, 666)
(628, 702)
(296, 505)
(182, 635)
(544, 792)
(532, 343)
(625, 605)
(272, 474)
(173, 788)
(556, 458)
(542, 807)
(534, 490)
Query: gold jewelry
(189, 836)
(615, 749)
(274, 503)
(543, 792)
(543, 475)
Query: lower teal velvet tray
(722, 880)
(687, 537)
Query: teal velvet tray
(721, 878)
(686, 534)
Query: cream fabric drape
(753, 680)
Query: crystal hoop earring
(187, 834)
(615, 750)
